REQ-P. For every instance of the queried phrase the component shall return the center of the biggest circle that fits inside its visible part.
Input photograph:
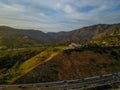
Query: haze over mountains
(31, 37)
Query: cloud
(11, 7)
(68, 9)
(57, 15)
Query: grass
(52, 62)
(32, 63)
(53, 65)
(11, 60)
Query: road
(77, 84)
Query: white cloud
(42, 14)
(58, 6)
(11, 7)
(69, 9)
(48, 14)
(64, 7)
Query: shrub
(113, 53)
(54, 65)
(92, 60)
(56, 49)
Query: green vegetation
(77, 64)
(18, 41)
(19, 62)
(95, 49)
(30, 37)
(24, 57)
(48, 63)
(11, 60)
(111, 40)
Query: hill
(75, 64)
(86, 33)
(111, 40)
(57, 63)
(15, 64)
(12, 38)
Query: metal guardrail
(106, 79)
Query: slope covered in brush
(75, 64)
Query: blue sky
(58, 15)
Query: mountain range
(31, 37)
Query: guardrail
(72, 84)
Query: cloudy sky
(58, 15)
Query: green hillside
(17, 41)
(11, 60)
(19, 64)
(111, 40)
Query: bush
(113, 53)
(92, 60)
(54, 65)
(56, 49)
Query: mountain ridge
(53, 38)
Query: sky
(58, 15)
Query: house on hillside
(74, 45)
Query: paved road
(78, 84)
